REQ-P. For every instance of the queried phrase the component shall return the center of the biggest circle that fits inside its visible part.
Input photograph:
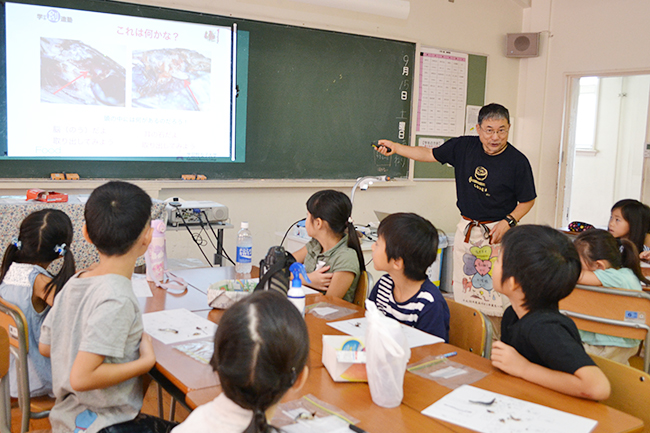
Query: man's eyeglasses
(501, 132)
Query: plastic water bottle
(244, 250)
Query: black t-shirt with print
(487, 187)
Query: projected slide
(75, 73)
(172, 78)
(86, 84)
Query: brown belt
(475, 223)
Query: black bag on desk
(274, 270)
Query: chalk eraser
(71, 176)
(188, 176)
(57, 176)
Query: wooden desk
(353, 398)
(196, 384)
(420, 393)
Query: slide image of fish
(172, 79)
(75, 73)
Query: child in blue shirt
(45, 236)
(609, 263)
(406, 246)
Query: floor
(149, 406)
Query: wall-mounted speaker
(522, 45)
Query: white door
(606, 140)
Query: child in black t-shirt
(537, 267)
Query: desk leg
(218, 259)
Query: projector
(195, 213)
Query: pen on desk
(356, 429)
(447, 355)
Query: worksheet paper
(174, 326)
(357, 328)
(141, 286)
(489, 412)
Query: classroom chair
(363, 286)
(630, 389)
(617, 312)
(469, 329)
(5, 399)
(13, 321)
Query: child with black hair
(44, 236)
(332, 258)
(536, 268)
(630, 219)
(406, 246)
(93, 334)
(609, 263)
(260, 353)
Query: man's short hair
(116, 214)
(411, 238)
(543, 262)
(493, 111)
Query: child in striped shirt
(407, 245)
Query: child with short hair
(260, 353)
(99, 350)
(406, 246)
(536, 268)
(603, 264)
(332, 258)
(44, 236)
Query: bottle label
(244, 254)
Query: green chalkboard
(315, 100)
(476, 81)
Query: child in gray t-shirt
(93, 333)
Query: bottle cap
(298, 269)
(244, 224)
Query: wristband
(511, 220)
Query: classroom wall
(578, 37)
(477, 26)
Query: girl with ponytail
(260, 352)
(609, 262)
(332, 258)
(45, 236)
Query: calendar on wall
(442, 93)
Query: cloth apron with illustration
(474, 257)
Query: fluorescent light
(389, 8)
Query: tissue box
(46, 196)
(345, 358)
(225, 293)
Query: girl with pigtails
(260, 353)
(44, 236)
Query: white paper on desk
(506, 414)
(310, 291)
(141, 286)
(202, 278)
(324, 311)
(174, 326)
(328, 424)
(357, 328)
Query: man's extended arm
(417, 153)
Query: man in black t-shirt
(494, 189)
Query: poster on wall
(442, 93)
